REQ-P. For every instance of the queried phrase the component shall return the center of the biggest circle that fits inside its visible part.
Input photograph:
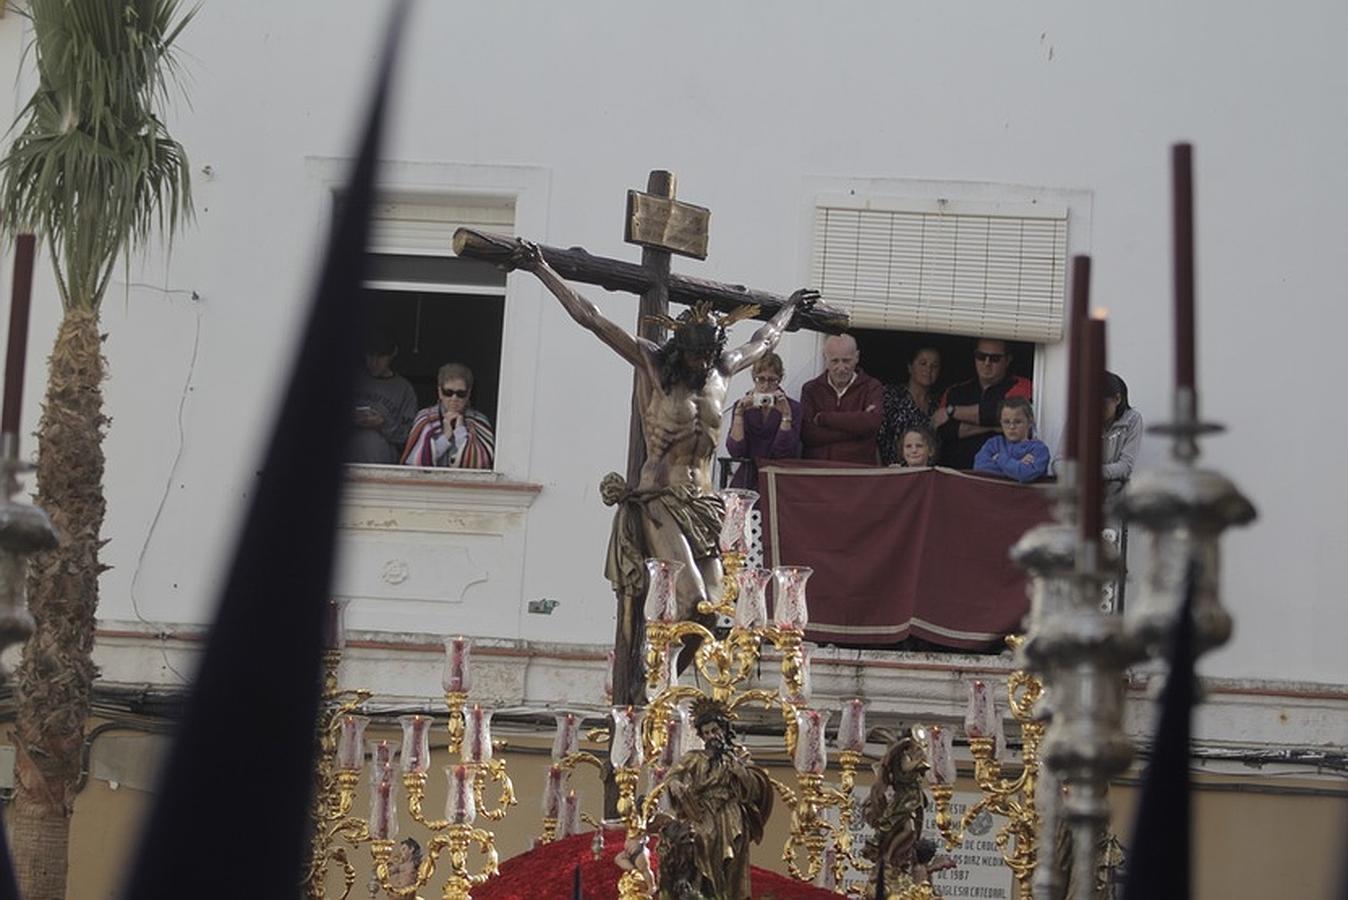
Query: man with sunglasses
(967, 416)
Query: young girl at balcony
(917, 448)
(1014, 453)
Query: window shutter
(946, 267)
(424, 226)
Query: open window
(437, 307)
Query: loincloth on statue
(698, 517)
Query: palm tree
(94, 171)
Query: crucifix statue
(667, 505)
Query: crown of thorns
(701, 313)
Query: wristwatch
(950, 411)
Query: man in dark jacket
(842, 408)
(969, 412)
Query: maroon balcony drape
(901, 552)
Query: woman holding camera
(765, 423)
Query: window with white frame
(941, 266)
(437, 307)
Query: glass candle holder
(940, 755)
(569, 822)
(458, 676)
(476, 735)
(351, 743)
(662, 602)
(852, 727)
(416, 743)
(677, 728)
(625, 750)
(383, 805)
(980, 719)
(811, 757)
(790, 610)
(751, 601)
(554, 786)
(735, 526)
(460, 808)
(567, 739)
(666, 674)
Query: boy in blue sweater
(1014, 454)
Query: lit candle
(940, 755)
(567, 739)
(735, 526)
(1076, 334)
(19, 304)
(416, 743)
(1090, 481)
(852, 728)
(811, 757)
(553, 787)
(351, 743)
(791, 611)
(383, 755)
(677, 727)
(458, 677)
(334, 625)
(477, 735)
(625, 750)
(460, 808)
(570, 819)
(1182, 207)
(980, 720)
(751, 600)
(383, 808)
(662, 603)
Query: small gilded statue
(719, 802)
(894, 810)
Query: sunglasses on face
(452, 392)
(980, 356)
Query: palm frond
(92, 166)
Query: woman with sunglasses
(451, 434)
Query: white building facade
(538, 119)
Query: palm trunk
(54, 680)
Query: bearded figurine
(719, 802)
(894, 810)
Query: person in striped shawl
(451, 434)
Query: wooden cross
(662, 226)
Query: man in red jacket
(842, 408)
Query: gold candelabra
(1003, 794)
(726, 663)
(328, 809)
(342, 757)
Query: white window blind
(946, 267)
(424, 226)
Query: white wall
(750, 104)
